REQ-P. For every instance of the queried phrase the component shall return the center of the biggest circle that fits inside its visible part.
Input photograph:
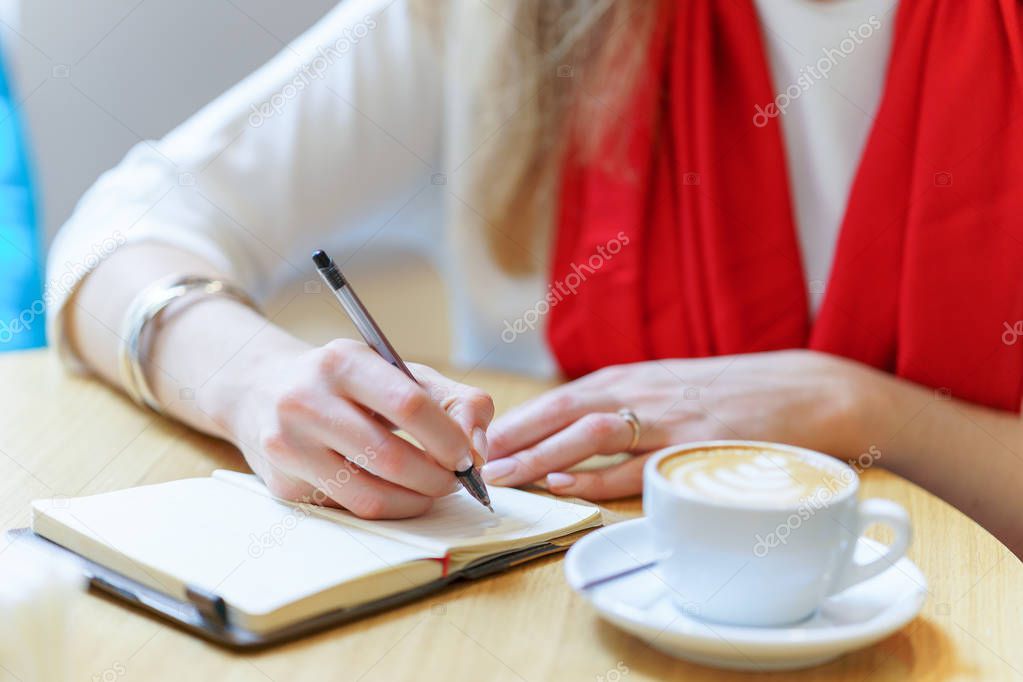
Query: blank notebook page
(229, 535)
(257, 553)
(458, 521)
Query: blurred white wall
(96, 76)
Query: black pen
(374, 337)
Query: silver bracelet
(145, 308)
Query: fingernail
(498, 469)
(465, 462)
(479, 441)
(560, 480)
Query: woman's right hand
(312, 426)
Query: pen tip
(491, 508)
(321, 259)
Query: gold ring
(633, 421)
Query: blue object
(22, 307)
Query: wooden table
(67, 436)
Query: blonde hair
(562, 78)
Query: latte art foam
(746, 476)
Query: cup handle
(888, 513)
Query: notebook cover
(206, 614)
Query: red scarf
(688, 247)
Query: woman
(707, 227)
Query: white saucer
(640, 603)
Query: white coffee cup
(744, 551)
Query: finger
(620, 480)
(285, 486)
(359, 491)
(536, 419)
(333, 477)
(297, 490)
(369, 380)
(471, 408)
(598, 433)
(346, 429)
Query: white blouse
(361, 134)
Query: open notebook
(222, 556)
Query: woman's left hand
(799, 397)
